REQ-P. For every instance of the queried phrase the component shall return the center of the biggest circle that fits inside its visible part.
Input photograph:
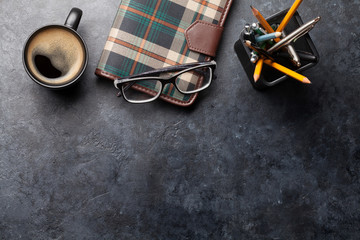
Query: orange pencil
(262, 20)
(289, 15)
(258, 69)
(287, 71)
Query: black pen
(249, 33)
(305, 56)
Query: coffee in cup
(55, 56)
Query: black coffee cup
(55, 56)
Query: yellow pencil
(287, 71)
(258, 69)
(289, 15)
(262, 20)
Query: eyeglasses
(146, 87)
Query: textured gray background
(239, 164)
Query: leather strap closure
(204, 37)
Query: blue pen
(269, 36)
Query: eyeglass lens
(142, 91)
(194, 80)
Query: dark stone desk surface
(239, 164)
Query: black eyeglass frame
(180, 69)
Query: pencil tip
(306, 80)
(256, 77)
(278, 34)
(253, 9)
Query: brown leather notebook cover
(149, 35)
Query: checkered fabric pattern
(149, 35)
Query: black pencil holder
(269, 76)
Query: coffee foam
(64, 49)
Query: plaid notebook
(150, 35)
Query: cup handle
(74, 18)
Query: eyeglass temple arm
(175, 68)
